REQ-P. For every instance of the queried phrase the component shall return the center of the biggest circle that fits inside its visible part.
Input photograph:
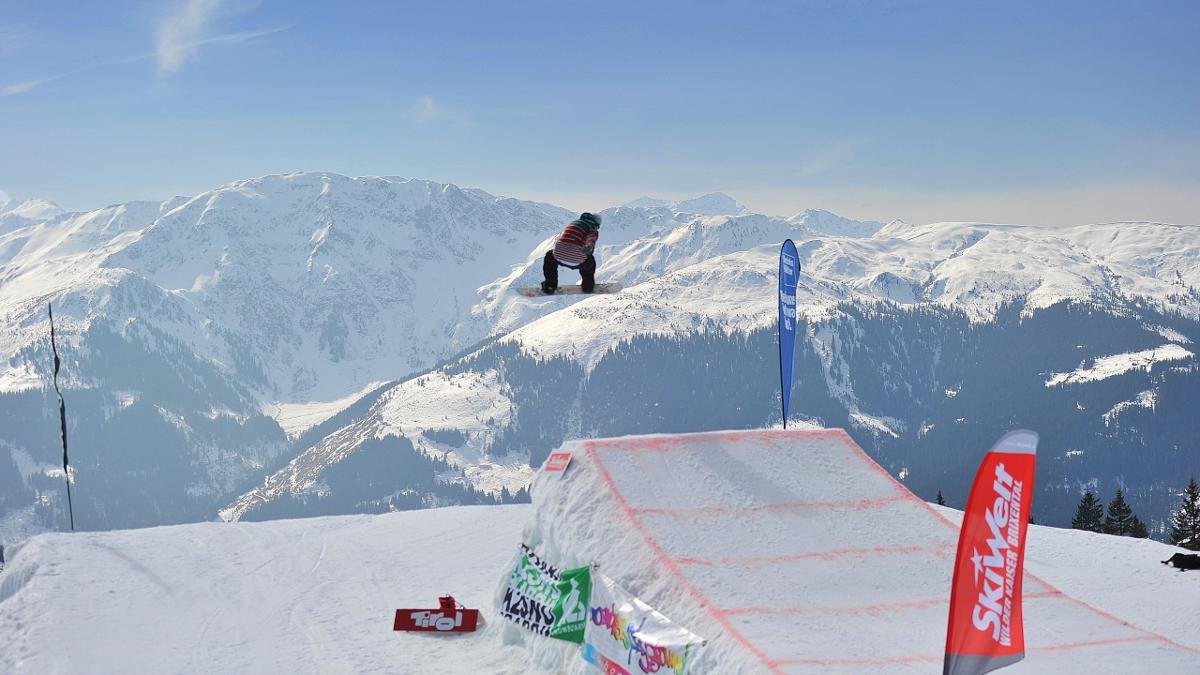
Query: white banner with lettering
(625, 636)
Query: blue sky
(1059, 112)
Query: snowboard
(536, 291)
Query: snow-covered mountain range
(711, 204)
(14, 215)
(277, 345)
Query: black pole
(62, 417)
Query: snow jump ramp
(791, 551)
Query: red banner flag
(986, 631)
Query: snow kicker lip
(12, 581)
(793, 551)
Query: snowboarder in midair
(574, 249)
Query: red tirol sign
(557, 463)
(986, 631)
(449, 618)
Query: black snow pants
(587, 272)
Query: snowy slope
(686, 274)
(317, 595)
(309, 286)
(32, 209)
(732, 290)
(50, 259)
(638, 245)
(298, 596)
(819, 221)
(14, 215)
(472, 405)
(635, 246)
(1117, 364)
(184, 324)
(968, 266)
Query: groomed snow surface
(790, 551)
(293, 596)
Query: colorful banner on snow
(546, 601)
(986, 630)
(625, 636)
(789, 275)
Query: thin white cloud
(178, 34)
(426, 110)
(177, 50)
(181, 34)
(227, 38)
(23, 87)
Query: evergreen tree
(1138, 529)
(1090, 514)
(1120, 516)
(941, 501)
(1185, 525)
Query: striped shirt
(575, 244)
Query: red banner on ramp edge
(986, 630)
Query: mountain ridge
(284, 294)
